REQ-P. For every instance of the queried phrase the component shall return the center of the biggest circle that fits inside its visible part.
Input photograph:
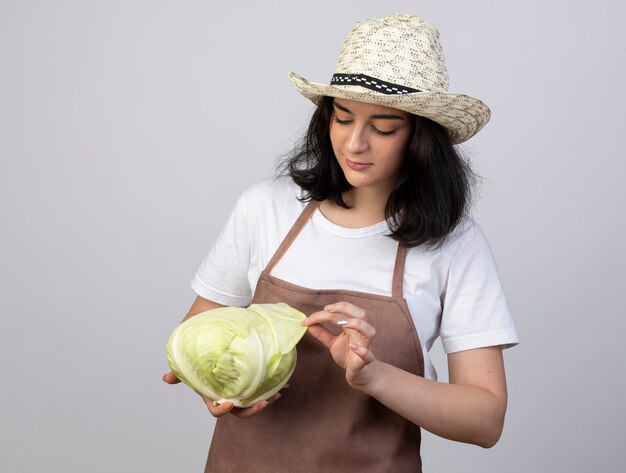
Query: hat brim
(461, 115)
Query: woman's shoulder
(467, 228)
(468, 244)
(466, 233)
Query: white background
(128, 128)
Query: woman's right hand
(218, 410)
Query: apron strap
(305, 216)
(398, 272)
(295, 230)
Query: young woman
(366, 231)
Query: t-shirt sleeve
(476, 312)
(222, 275)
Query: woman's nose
(357, 140)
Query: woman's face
(369, 142)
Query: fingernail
(305, 322)
(342, 322)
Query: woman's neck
(366, 207)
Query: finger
(364, 329)
(324, 316)
(334, 313)
(362, 352)
(318, 317)
(258, 407)
(322, 334)
(250, 411)
(170, 378)
(346, 308)
(218, 410)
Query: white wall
(128, 128)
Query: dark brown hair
(431, 196)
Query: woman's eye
(340, 121)
(381, 132)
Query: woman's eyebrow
(385, 116)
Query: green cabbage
(236, 354)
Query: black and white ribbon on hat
(371, 83)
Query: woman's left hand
(351, 348)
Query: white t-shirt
(453, 292)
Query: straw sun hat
(398, 62)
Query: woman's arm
(200, 305)
(470, 408)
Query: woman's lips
(357, 166)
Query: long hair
(434, 188)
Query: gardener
(367, 232)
